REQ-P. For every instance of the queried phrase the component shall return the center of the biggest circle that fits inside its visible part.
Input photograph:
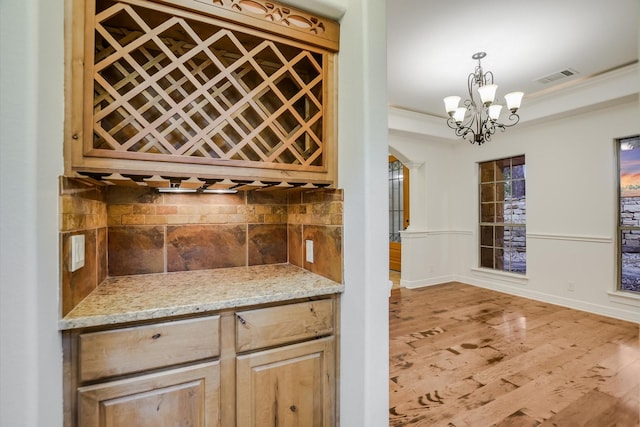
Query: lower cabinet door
(287, 386)
(179, 397)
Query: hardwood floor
(395, 276)
(466, 356)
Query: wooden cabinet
(180, 397)
(288, 386)
(161, 374)
(220, 92)
(124, 351)
(271, 326)
(261, 366)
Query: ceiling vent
(553, 77)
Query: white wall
(364, 379)
(571, 207)
(426, 257)
(31, 104)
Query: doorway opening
(398, 212)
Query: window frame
(398, 199)
(501, 184)
(619, 226)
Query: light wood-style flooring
(467, 356)
(395, 276)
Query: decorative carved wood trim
(273, 17)
(276, 13)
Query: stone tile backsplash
(83, 210)
(139, 231)
(138, 249)
(147, 209)
(267, 244)
(327, 241)
(201, 247)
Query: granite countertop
(153, 296)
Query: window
(503, 243)
(629, 213)
(398, 187)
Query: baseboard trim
(632, 315)
(616, 313)
(415, 284)
(498, 275)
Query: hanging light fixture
(482, 120)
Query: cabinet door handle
(241, 320)
(156, 336)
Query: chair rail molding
(570, 237)
(417, 233)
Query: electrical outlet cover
(76, 260)
(309, 251)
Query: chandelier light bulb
(487, 94)
(451, 104)
(514, 99)
(458, 115)
(494, 111)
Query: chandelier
(482, 120)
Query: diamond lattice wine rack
(206, 89)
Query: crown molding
(620, 85)
(326, 8)
(413, 123)
(583, 94)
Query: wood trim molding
(417, 234)
(271, 16)
(570, 237)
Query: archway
(396, 249)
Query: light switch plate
(309, 251)
(76, 260)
